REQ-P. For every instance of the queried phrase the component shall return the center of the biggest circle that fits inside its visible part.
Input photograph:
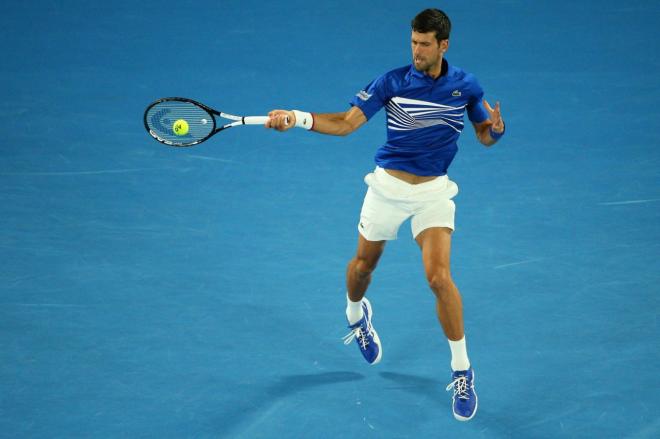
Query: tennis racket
(185, 122)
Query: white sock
(353, 311)
(459, 358)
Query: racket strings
(161, 117)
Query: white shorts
(390, 201)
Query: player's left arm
(490, 130)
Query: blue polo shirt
(424, 116)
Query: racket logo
(164, 124)
(156, 119)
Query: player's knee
(363, 267)
(440, 282)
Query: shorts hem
(375, 239)
(438, 225)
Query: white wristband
(303, 119)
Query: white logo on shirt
(363, 95)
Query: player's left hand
(495, 116)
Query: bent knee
(441, 283)
(363, 267)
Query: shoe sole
(376, 338)
(476, 405)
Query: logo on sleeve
(456, 93)
(363, 95)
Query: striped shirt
(424, 116)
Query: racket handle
(255, 120)
(258, 120)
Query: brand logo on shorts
(361, 226)
(456, 93)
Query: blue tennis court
(148, 291)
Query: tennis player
(425, 104)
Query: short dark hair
(430, 20)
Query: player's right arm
(336, 124)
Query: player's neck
(436, 71)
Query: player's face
(427, 52)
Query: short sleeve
(475, 107)
(373, 97)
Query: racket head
(159, 118)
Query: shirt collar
(443, 72)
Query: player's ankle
(353, 311)
(459, 357)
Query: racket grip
(258, 120)
(255, 120)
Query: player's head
(432, 20)
(430, 40)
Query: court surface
(148, 291)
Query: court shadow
(418, 385)
(289, 384)
(250, 403)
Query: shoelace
(460, 387)
(363, 340)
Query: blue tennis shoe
(464, 401)
(365, 335)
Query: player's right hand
(281, 120)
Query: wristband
(494, 135)
(303, 119)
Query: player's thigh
(369, 252)
(435, 243)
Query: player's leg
(358, 272)
(380, 219)
(435, 243)
(358, 308)
(432, 226)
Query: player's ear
(444, 45)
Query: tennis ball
(180, 127)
